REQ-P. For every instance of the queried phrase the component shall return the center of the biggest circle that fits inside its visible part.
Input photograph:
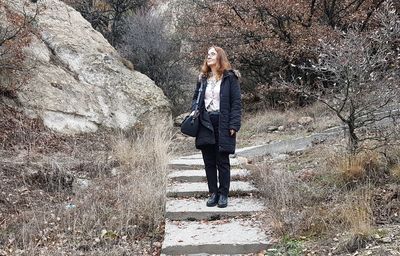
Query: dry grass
(367, 166)
(118, 208)
(393, 156)
(285, 195)
(356, 211)
(18, 132)
(395, 172)
(145, 150)
(258, 124)
(323, 192)
(316, 198)
(279, 188)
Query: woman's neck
(214, 72)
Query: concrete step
(201, 189)
(194, 162)
(200, 175)
(194, 156)
(236, 236)
(196, 209)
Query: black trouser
(215, 160)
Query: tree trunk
(353, 139)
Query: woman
(220, 117)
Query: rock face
(79, 82)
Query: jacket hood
(226, 73)
(236, 72)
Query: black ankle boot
(212, 200)
(223, 201)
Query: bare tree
(267, 36)
(119, 9)
(359, 77)
(106, 16)
(97, 12)
(14, 36)
(155, 52)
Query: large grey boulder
(78, 80)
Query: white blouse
(211, 98)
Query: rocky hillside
(77, 81)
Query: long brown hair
(221, 65)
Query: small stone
(70, 206)
(305, 120)
(82, 183)
(281, 128)
(157, 244)
(386, 240)
(179, 119)
(279, 156)
(115, 172)
(103, 233)
(272, 128)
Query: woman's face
(212, 57)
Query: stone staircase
(192, 228)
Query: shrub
(106, 16)
(364, 167)
(358, 79)
(274, 97)
(154, 51)
(264, 38)
(324, 203)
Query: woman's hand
(232, 132)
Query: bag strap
(198, 96)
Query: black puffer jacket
(230, 113)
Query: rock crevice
(57, 61)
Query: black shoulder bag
(190, 124)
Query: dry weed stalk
(145, 150)
(357, 213)
(284, 194)
(122, 206)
